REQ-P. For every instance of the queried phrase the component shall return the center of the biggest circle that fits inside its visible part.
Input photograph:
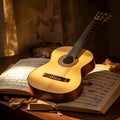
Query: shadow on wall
(61, 21)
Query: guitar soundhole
(68, 60)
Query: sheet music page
(95, 96)
(16, 76)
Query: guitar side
(58, 78)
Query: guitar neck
(83, 39)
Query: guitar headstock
(103, 16)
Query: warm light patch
(10, 42)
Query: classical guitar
(59, 80)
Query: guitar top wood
(59, 78)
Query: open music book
(96, 98)
(14, 80)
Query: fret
(83, 38)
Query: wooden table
(8, 113)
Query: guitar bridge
(55, 77)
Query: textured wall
(59, 21)
(38, 20)
(1, 29)
(114, 29)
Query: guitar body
(59, 81)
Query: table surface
(112, 114)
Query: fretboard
(83, 39)
(101, 16)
